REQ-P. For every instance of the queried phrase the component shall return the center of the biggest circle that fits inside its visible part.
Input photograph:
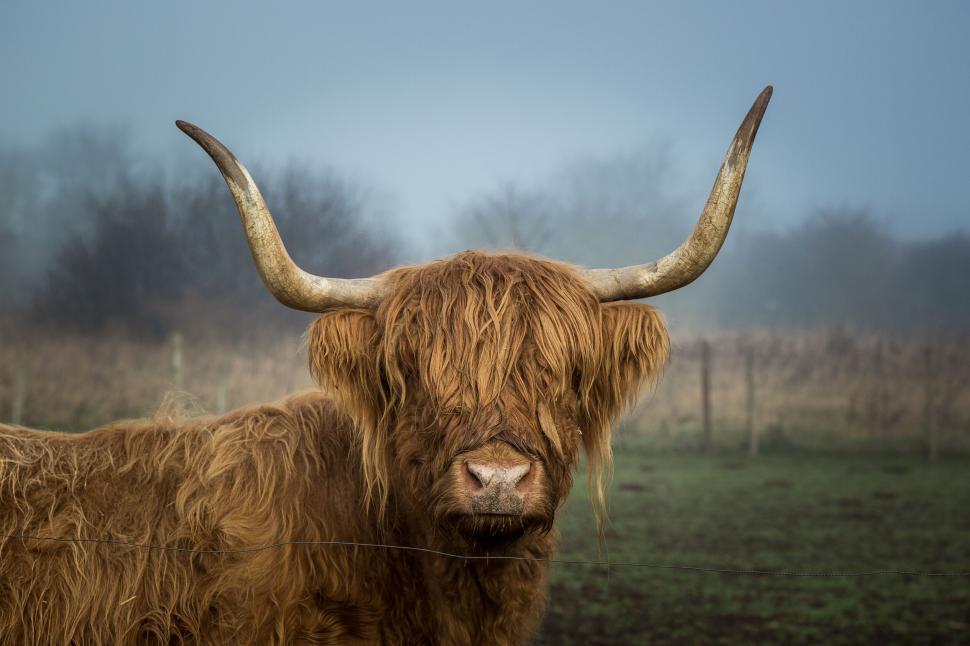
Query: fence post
(706, 394)
(19, 389)
(178, 366)
(752, 429)
(929, 419)
(221, 395)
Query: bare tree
(509, 218)
(932, 279)
(593, 212)
(152, 257)
(128, 262)
(16, 204)
(45, 192)
(620, 209)
(328, 224)
(837, 266)
(8, 262)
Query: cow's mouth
(493, 530)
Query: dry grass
(74, 383)
(808, 384)
(859, 386)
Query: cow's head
(477, 381)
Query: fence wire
(554, 561)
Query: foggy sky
(433, 102)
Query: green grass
(775, 512)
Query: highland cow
(456, 398)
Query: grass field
(810, 385)
(792, 508)
(775, 512)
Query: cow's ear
(343, 352)
(633, 348)
(635, 345)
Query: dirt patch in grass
(896, 469)
(633, 486)
(885, 495)
(835, 520)
(777, 484)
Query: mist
(97, 232)
(812, 419)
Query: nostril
(472, 479)
(485, 473)
(525, 481)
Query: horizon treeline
(836, 267)
(100, 242)
(96, 238)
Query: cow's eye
(577, 380)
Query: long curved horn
(690, 259)
(288, 283)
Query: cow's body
(263, 475)
(464, 392)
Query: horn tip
(761, 103)
(227, 163)
(190, 129)
(749, 127)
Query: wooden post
(706, 394)
(876, 413)
(929, 419)
(178, 366)
(19, 389)
(749, 403)
(221, 395)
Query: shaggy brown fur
(490, 356)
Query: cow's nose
(495, 475)
(498, 488)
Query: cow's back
(243, 480)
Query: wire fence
(751, 386)
(486, 557)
